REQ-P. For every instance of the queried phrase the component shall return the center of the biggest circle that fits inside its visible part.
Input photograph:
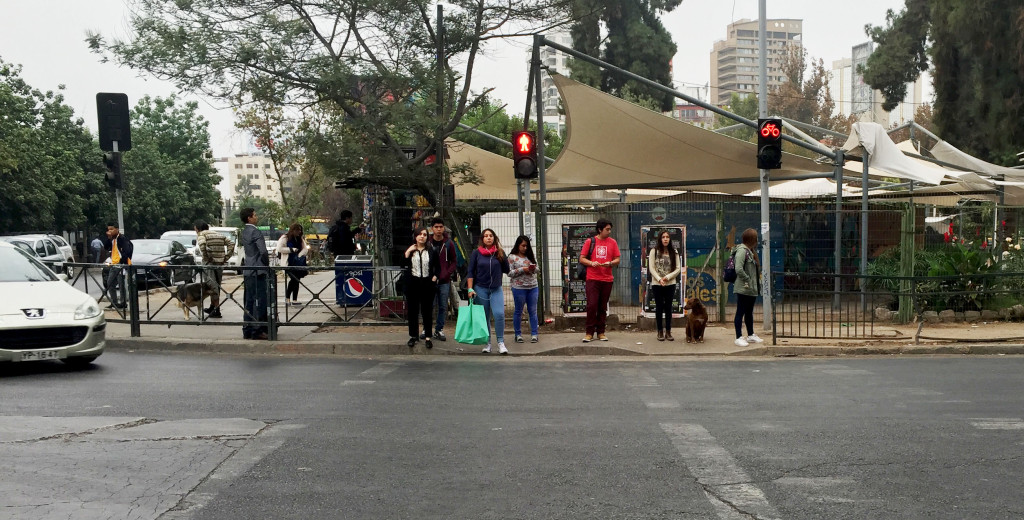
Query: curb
(388, 348)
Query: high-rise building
(555, 61)
(840, 86)
(854, 96)
(734, 60)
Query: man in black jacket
(341, 237)
(120, 256)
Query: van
(233, 235)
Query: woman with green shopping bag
(487, 264)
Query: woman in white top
(664, 266)
(293, 244)
(421, 285)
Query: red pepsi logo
(354, 288)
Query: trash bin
(353, 279)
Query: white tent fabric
(884, 155)
(948, 153)
(613, 142)
(498, 182)
(805, 189)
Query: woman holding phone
(523, 275)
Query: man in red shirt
(599, 264)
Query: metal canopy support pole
(762, 110)
(542, 237)
(864, 233)
(837, 282)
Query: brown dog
(696, 320)
(191, 295)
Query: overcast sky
(47, 37)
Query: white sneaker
(754, 339)
(487, 349)
(740, 342)
(501, 348)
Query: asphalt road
(210, 437)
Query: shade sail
(885, 158)
(947, 152)
(610, 141)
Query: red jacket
(446, 254)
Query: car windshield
(151, 248)
(184, 238)
(18, 266)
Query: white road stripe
(372, 374)
(998, 423)
(725, 483)
(638, 378)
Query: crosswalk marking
(372, 374)
(998, 423)
(725, 483)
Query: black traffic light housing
(769, 144)
(112, 160)
(524, 154)
(114, 121)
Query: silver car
(42, 317)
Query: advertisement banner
(574, 295)
(649, 235)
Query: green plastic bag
(471, 325)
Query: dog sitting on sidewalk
(191, 295)
(696, 320)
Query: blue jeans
(441, 304)
(493, 301)
(528, 297)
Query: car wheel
(79, 361)
(70, 271)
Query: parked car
(63, 246)
(157, 260)
(42, 317)
(45, 249)
(187, 238)
(232, 233)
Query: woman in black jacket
(423, 267)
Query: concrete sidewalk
(391, 340)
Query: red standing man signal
(524, 155)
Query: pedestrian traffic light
(524, 154)
(112, 160)
(769, 144)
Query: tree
(635, 41)
(169, 178)
(45, 157)
(977, 54)
(744, 106)
(370, 66)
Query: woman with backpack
(293, 244)
(664, 266)
(746, 287)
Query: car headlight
(87, 310)
(163, 264)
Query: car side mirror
(193, 242)
(63, 277)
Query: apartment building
(257, 171)
(735, 60)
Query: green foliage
(978, 68)
(742, 106)
(270, 213)
(169, 181)
(45, 157)
(634, 39)
(369, 69)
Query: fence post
(272, 304)
(723, 289)
(133, 302)
(907, 230)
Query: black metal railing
(365, 296)
(808, 305)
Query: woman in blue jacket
(483, 279)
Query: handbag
(581, 270)
(300, 262)
(471, 325)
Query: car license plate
(39, 355)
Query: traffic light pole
(120, 207)
(762, 106)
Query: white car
(42, 317)
(48, 249)
(187, 238)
